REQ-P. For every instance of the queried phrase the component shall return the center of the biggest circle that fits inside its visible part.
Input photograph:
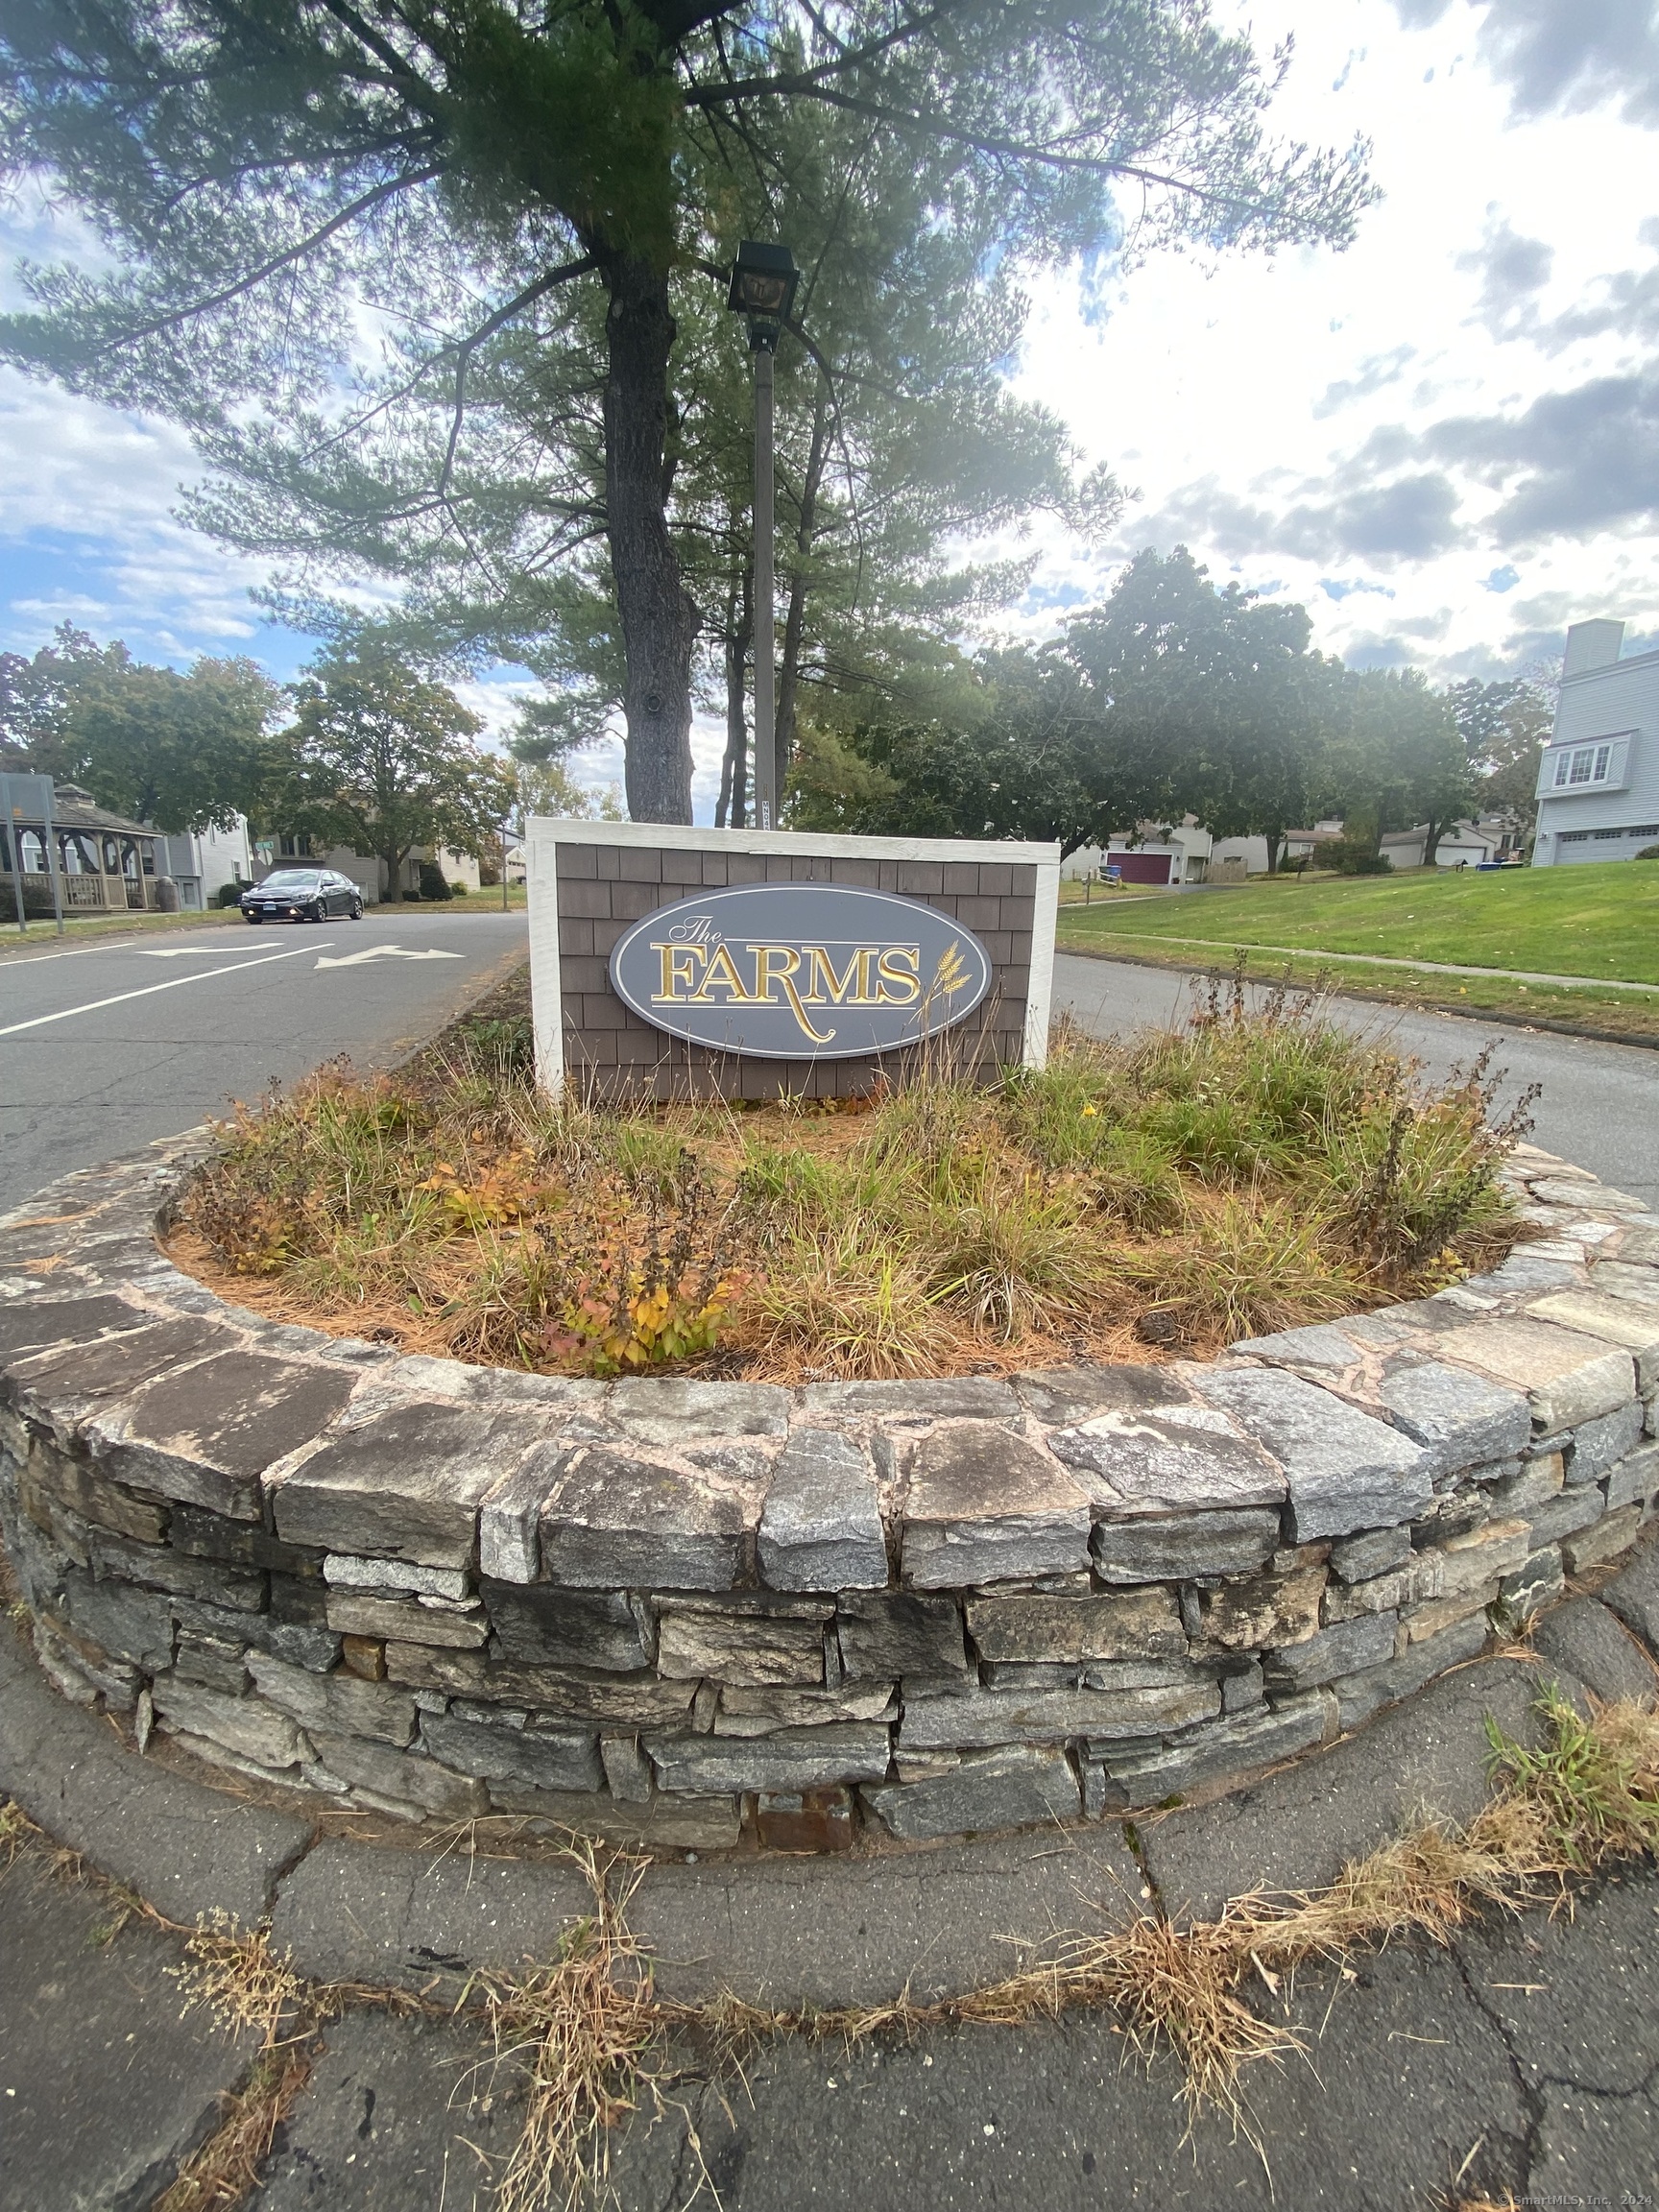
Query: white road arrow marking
(188, 951)
(385, 953)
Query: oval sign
(800, 970)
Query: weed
(1592, 1784)
(579, 2032)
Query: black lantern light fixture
(763, 281)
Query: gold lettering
(901, 966)
(821, 980)
(721, 971)
(678, 967)
(778, 964)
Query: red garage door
(1142, 867)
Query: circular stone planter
(681, 1614)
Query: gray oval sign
(800, 970)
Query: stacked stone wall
(683, 1613)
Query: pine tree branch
(805, 86)
(283, 260)
(461, 354)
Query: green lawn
(1601, 920)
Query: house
(1161, 852)
(365, 869)
(1599, 778)
(203, 862)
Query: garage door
(1142, 867)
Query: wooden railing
(81, 894)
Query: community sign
(800, 970)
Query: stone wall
(672, 1611)
(603, 887)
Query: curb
(795, 1932)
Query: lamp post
(763, 281)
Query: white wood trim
(546, 991)
(800, 844)
(1039, 984)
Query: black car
(301, 895)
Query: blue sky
(1445, 442)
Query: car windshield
(291, 879)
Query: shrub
(841, 1302)
(229, 893)
(1253, 1265)
(1354, 856)
(434, 883)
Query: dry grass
(587, 2034)
(580, 2034)
(1181, 1188)
(225, 2171)
(590, 2029)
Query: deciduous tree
(179, 751)
(381, 758)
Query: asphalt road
(106, 1046)
(1600, 1104)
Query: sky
(1443, 442)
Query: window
(1584, 764)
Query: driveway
(1600, 1104)
(106, 1046)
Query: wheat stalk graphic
(951, 973)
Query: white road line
(16, 955)
(172, 983)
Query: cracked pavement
(1524, 2057)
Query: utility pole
(765, 595)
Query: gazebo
(106, 864)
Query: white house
(201, 862)
(1161, 852)
(1598, 779)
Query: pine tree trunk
(659, 621)
(795, 620)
